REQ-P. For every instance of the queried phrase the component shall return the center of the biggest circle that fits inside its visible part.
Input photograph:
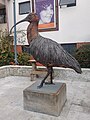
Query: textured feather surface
(50, 53)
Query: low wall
(69, 74)
(59, 73)
(14, 70)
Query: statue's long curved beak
(17, 24)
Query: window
(70, 47)
(67, 3)
(3, 15)
(24, 7)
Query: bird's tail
(73, 63)
(77, 68)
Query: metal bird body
(50, 53)
(46, 51)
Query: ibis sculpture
(46, 51)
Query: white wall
(22, 26)
(74, 23)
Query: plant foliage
(23, 58)
(6, 54)
(83, 56)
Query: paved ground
(77, 106)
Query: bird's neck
(32, 31)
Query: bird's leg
(50, 69)
(51, 77)
(41, 84)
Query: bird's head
(31, 17)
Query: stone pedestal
(49, 99)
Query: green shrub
(23, 58)
(83, 56)
(7, 56)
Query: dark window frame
(70, 47)
(3, 13)
(67, 4)
(21, 13)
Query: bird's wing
(47, 51)
(39, 49)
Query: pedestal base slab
(49, 99)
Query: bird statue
(46, 51)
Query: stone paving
(77, 106)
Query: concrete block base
(49, 99)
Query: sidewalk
(77, 106)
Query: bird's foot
(40, 86)
(49, 83)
